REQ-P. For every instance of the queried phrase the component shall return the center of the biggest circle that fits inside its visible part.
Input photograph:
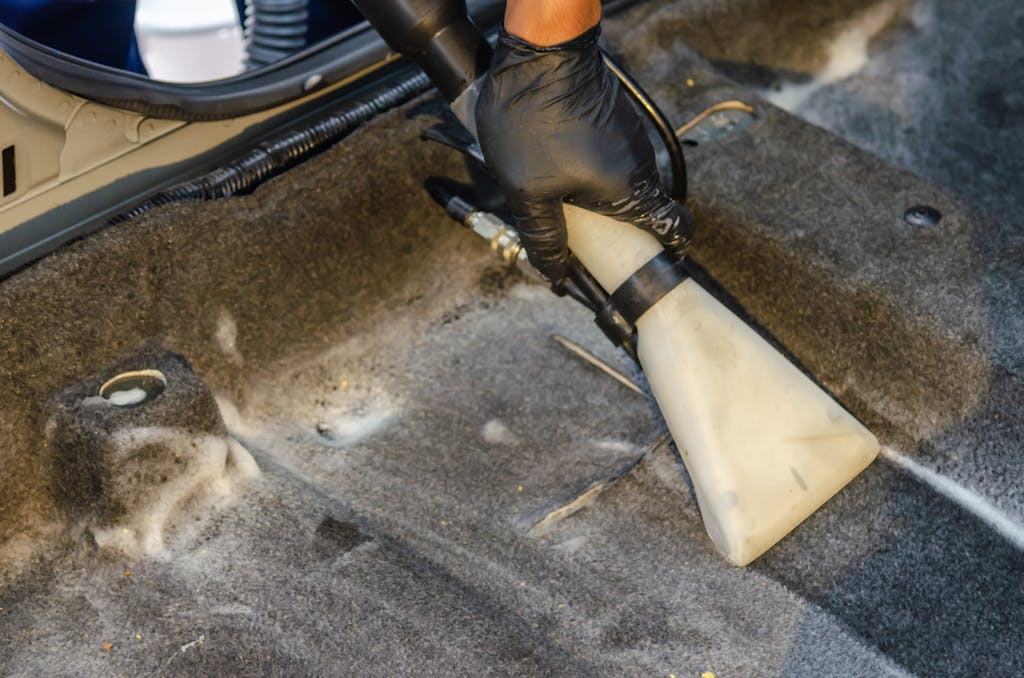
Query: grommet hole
(130, 389)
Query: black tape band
(618, 330)
(646, 287)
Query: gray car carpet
(444, 490)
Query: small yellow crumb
(519, 488)
(671, 675)
(444, 523)
(344, 383)
(125, 530)
(127, 572)
(106, 647)
(138, 636)
(202, 552)
(707, 674)
(690, 83)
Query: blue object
(102, 31)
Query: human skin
(549, 22)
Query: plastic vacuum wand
(765, 446)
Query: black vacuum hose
(274, 29)
(439, 35)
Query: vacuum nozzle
(437, 34)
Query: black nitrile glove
(555, 126)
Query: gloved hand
(555, 125)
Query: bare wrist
(550, 22)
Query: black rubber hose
(677, 162)
(274, 29)
(279, 153)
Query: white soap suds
(497, 433)
(344, 429)
(233, 420)
(130, 396)
(530, 292)
(967, 498)
(216, 465)
(245, 467)
(611, 445)
(847, 54)
(227, 336)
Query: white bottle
(764, 445)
